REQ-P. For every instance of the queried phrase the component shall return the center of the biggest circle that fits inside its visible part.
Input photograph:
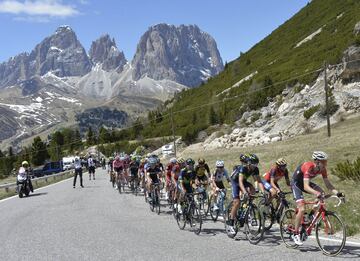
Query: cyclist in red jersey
(175, 172)
(169, 168)
(271, 178)
(301, 183)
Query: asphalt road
(97, 223)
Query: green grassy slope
(275, 59)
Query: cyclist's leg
(299, 198)
(236, 201)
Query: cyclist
(217, 180)
(142, 173)
(175, 172)
(91, 167)
(186, 180)
(241, 187)
(301, 183)
(134, 169)
(153, 174)
(201, 168)
(169, 168)
(118, 166)
(110, 166)
(271, 178)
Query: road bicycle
(249, 217)
(271, 213)
(155, 197)
(217, 204)
(202, 199)
(188, 212)
(330, 231)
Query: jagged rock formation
(183, 54)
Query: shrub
(348, 170)
(310, 112)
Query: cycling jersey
(186, 177)
(276, 173)
(244, 171)
(201, 169)
(134, 167)
(307, 170)
(169, 168)
(110, 165)
(153, 173)
(176, 170)
(118, 165)
(218, 176)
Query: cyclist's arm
(258, 183)
(241, 184)
(309, 189)
(272, 182)
(287, 178)
(330, 186)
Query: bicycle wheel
(330, 234)
(226, 214)
(267, 211)
(195, 219)
(157, 202)
(180, 217)
(213, 213)
(254, 224)
(287, 227)
(119, 186)
(153, 201)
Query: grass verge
(344, 144)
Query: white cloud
(50, 8)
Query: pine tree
(90, 137)
(39, 152)
(213, 118)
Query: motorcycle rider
(23, 174)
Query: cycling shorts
(236, 188)
(298, 192)
(118, 169)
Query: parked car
(48, 169)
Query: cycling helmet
(25, 163)
(173, 160)
(152, 161)
(133, 158)
(281, 162)
(319, 155)
(190, 161)
(244, 158)
(111, 158)
(181, 160)
(122, 158)
(253, 159)
(201, 160)
(117, 158)
(219, 164)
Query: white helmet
(219, 164)
(173, 160)
(319, 155)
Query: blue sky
(236, 25)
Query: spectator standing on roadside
(78, 171)
(91, 167)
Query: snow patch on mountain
(309, 37)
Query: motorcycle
(23, 186)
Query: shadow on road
(38, 194)
(350, 252)
(212, 231)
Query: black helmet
(253, 159)
(190, 161)
(244, 158)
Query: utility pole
(327, 100)
(173, 129)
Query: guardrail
(52, 177)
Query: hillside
(320, 32)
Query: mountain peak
(64, 28)
(184, 54)
(104, 51)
